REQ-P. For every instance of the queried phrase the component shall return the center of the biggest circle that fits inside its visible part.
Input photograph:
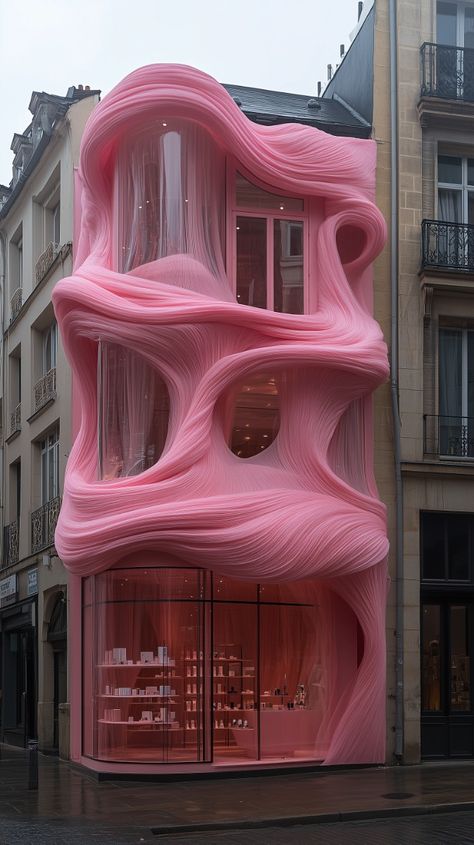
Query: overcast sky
(48, 45)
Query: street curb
(318, 818)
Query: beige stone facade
(430, 85)
(36, 227)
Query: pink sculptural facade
(220, 518)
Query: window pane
(170, 196)
(458, 548)
(460, 682)
(431, 661)
(255, 416)
(252, 196)
(468, 29)
(450, 169)
(44, 475)
(450, 390)
(433, 546)
(450, 207)
(133, 405)
(446, 23)
(149, 682)
(252, 261)
(291, 677)
(470, 383)
(288, 266)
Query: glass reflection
(256, 416)
(431, 658)
(459, 668)
(288, 266)
(252, 261)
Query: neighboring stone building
(430, 270)
(36, 231)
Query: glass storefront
(182, 666)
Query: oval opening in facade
(255, 415)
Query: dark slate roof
(271, 107)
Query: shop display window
(183, 666)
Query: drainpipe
(394, 363)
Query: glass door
(447, 712)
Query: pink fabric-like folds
(307, 506)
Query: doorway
(447, 724)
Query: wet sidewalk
(145, 811)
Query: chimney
(359, 11)
(329, 72)
(319, 89)
(341, 50)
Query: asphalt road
(440, 829)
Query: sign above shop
(32, 584)
(8, 590)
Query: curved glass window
(255, 415)
(133, 405)
(170, 198)
(184, 666)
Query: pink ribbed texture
(305, 507)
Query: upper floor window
(455, 189)
(456, 392)
(16, 260)
(133, 406)
(49, 347)
(269, 248)
(56, 223)
(50, 467)
(455, 24)
(170, 201)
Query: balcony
(15, 304)
(15, 420)
(449, 437)
(43, 525)
(447, 87)
(447, 72)
(447, 246)
(45, 390)
(10, 544)
(45, 261)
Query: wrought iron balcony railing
(45, 389)
(449, 437)
(10, 544)
(15, 303)
(15, 420)
(447, 246)
(45, 261)
(43, 525)
(447, 72)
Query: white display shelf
(136, 665)
(140, 696)
(168, 727)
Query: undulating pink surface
(307, 506)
